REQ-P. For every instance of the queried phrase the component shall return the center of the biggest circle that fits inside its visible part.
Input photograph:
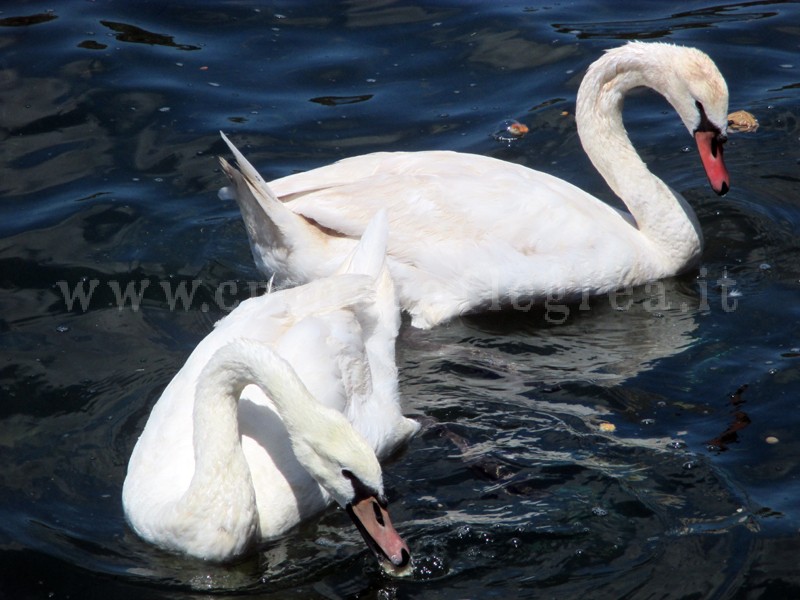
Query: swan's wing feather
(369, 255)
(258, 317)
(440, 197)
(338, 367)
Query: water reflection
(133, 34)
(609, 339)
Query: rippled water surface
(109, 113)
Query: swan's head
(692, 83)
(686, 77)
(369, 511)
(346, 466)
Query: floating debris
(771, 439)
(510, 131)
(92, 45)
(740, 420)
(606, 426)
(743, 121)
(339, 100)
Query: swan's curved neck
(217, 441)
(218, 512)
(660, 213)
(220, 500)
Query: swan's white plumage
(338, 335)
(467, 232)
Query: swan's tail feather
(273, 229)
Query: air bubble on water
(387, 593)
(326, 542)
(677, 444)
(765, 266)
(647, 421)
(463, 532)
(599, 512)
(62, 328)
(429, 566)
(689, 464)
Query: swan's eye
(360, 489)
(706, 125)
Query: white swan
(470, 233)
(222, 464)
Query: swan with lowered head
(470, 233)
(238, 449)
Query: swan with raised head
(279, 411)
(471, 233)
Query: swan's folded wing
(265, 317)
(327, 352)
(435, 197)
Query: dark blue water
(109, 113)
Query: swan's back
(433, 197)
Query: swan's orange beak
(709, 144)
(372, 520)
